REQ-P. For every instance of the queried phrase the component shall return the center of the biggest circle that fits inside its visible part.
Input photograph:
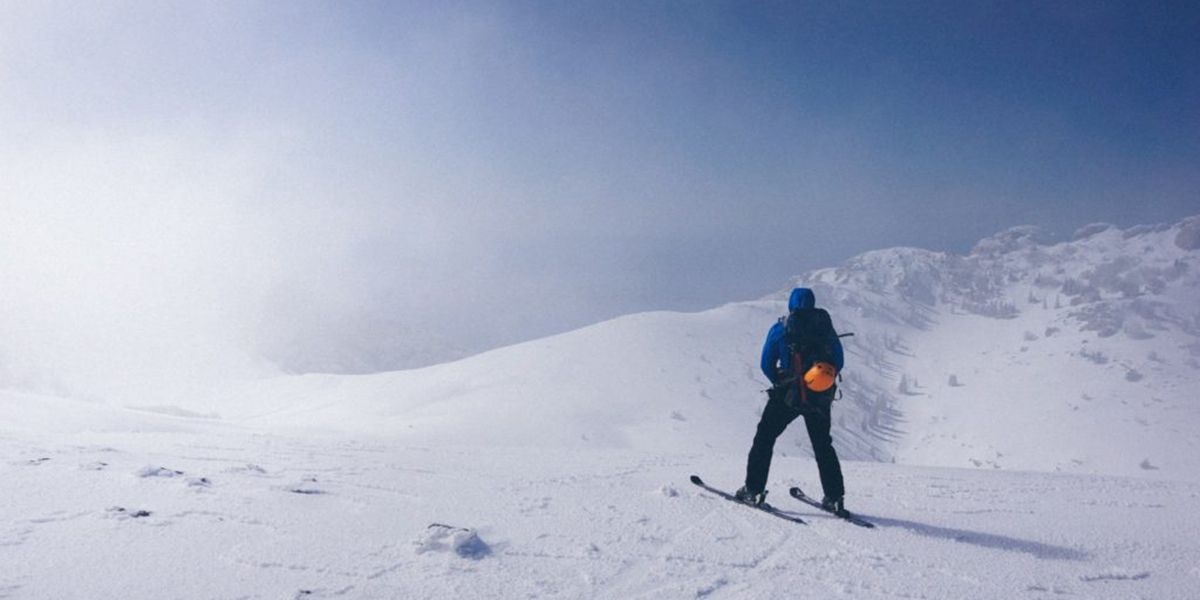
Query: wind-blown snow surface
(109, 503)
(561, 465)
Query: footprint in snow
(322, 593)
(151, 471)
(535, 504)
(706, 590)
(305, 487)
(121, 512)
(249, 469)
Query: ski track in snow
(586, 524)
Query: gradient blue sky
(497, 171)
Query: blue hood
(802, 298)
(775, 356)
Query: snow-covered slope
(565, 460)
(104, 503)
(652, 381)
(647, 381)
(345, 343)
(1079, 356)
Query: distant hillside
(346, 344)
(1079, 355)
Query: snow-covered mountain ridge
(1079, 356)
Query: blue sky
(552, 164)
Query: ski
(767, 508)
(799, 494)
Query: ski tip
(797, 492)
(696, 480)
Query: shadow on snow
(984, 540)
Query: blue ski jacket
(775, 358)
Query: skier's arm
(770, 353)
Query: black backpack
(809, 337)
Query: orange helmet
(820, 377)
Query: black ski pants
(775, 418)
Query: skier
(801, 357)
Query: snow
(578, 522)
(463, 542)
(1018, 422)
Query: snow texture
(578, 522)
(1042, 445)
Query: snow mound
(1088, 231)
(153, 471)
(1188, 237)
(1012, 239)
(459, 541)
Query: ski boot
(753, 498)
(836, 506)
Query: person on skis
(801, 357)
